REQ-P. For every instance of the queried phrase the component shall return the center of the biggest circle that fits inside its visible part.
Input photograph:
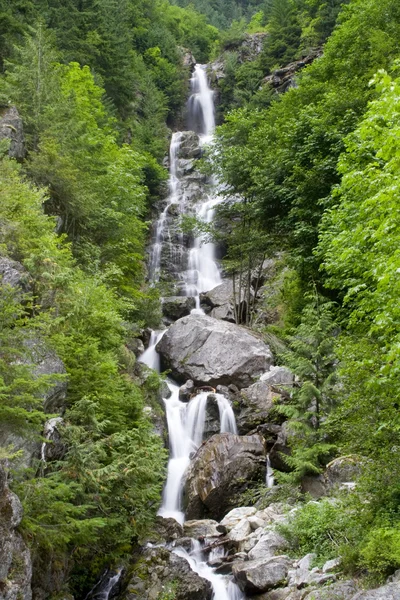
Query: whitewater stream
(186, 420)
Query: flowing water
(270, 479)
(186, 421)
(105, 587)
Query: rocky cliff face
(15, 559)
(11, 129)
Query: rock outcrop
(282, 79)
(11, 129)
(176, 307)
(256, 406)
(223, 467)
(160, 571)
(12, 273)
(213, 352)
(222, 303)
(15, 560)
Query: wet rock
(136, 346)
(54, 448)
(15, 560)
(223, 467)
(185, 166)
(188, 60)
(281, 447)
(255, 576)
(212, 423)
(11, 128)
(269, 545)
(176, 307)
(256, 406)
(390, 591)
(12, 273)
(186, 391)
(160, 571)
(166, 529)
(190, 145)
(201, 529)
(213, 352)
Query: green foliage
(21, 392)
(103, 495)
(323, 528)
(312, 359)
(381, 552)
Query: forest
(311, 181)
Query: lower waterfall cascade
(186, 419)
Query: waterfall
(105, 586)
(161, 231)
(150, 357)
(186, 421)
(201, 103)
(185, 429)
(198, 564)
(203, 272)
(270, 474)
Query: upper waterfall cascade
(186, 420)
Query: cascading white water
(161, 232)
(185, 429)
(48, 431)
(186, 421)
(105, 586)
(150, 357)
(199, 565)
(201, 114)
(270, 474)
(203, 271)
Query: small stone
(331, 565)
(256, 522)
(240, 531)
(236, 515)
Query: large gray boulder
(256, 576)
(189, 145)
(15, 583)
(213, 352)
(11, 128)
(160, 571)
(223, 467)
